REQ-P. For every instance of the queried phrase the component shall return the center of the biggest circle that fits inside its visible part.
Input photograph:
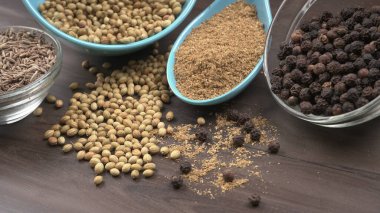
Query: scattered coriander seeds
(61, 140)
(38, 112)
(254, 200)
(106, 65)
(53, 141)
(201, 121)
(85, 64)
(169, 116)
(59, 104)
(74, 85)
(164, 150)
(177, 182)
(175, 154)
(135, 174)
(114, 172)
(99, 168)
(98, 180)
(148, 173)
(67, 148)
(51, 99)
(80, 155)
(162, 132)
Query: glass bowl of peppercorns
(325, 68)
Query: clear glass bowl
(17, 104)
(288, 18)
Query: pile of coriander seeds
(118, 120)
(111, 21)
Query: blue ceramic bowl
(265, 16)
(106, 49)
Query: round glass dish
(19, 103)
(289, 16)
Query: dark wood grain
(317, 169)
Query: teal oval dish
(106, 49)
(265, 16)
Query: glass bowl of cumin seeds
(335, 21)
(30, 61)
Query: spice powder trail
(220, 53)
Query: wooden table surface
(319, 170)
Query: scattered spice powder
(25, 56)
(220, 53)
(209, 160)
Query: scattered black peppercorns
(255, 135)
(238, 141)
(254, 200)
(228, 176)
(185, 167)
(201, 135)
(273, 147)
(332, 64)
(177, 182)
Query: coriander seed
(201, 121)
(85, 64)
(175, 154)
(61, 140)
(114, 172)
(74, 85)
(169, 116)
(98, 180)
(67, 148)
(135, 174)
(164, 150)
(58, 103)
(53, 141)
(148, 173)
(38, 112)
(99, 168)
(51, 99)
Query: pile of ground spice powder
(211, 158)
(220, 53)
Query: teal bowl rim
(111, 47)
(226, 96)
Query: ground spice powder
(220, 53)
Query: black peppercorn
(377, 84)
(319, 68)
(296, 75)
(356, 47)
(359, 63)
(337, 109)
(353, 94)
(287, 82)
(301, 64)
(292, 101)
(341, 57)
(291, 61)
(369, 48)
(339, 43)
(324, 59)
(177, 182)
(228, 176)
(315, 88)
(201, 135)
(340, 88)
(367, 92)
(367, 58)
(185, 167)
(346, 13)
(295, 90)
(305, 94)
(273, 147)
(325, 16)
(306, 107)
(361, 102)
(327, 93)
(333, 67)
(374, 64)
(238, 141)
(233, 115)
(243, 118)
(348, 107)
(277, 72)
(248, 127)
(350, 79)
(318, 46)
(306, 46)
(324, 77)
(276, 87)
(347, 67)
(307, 78)
(297, 50)
(255, 135)
(254, 200)
(363, 73)
(296, 36)
(374, 73)
(320, 106)
(284, 94)
(329, 47)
